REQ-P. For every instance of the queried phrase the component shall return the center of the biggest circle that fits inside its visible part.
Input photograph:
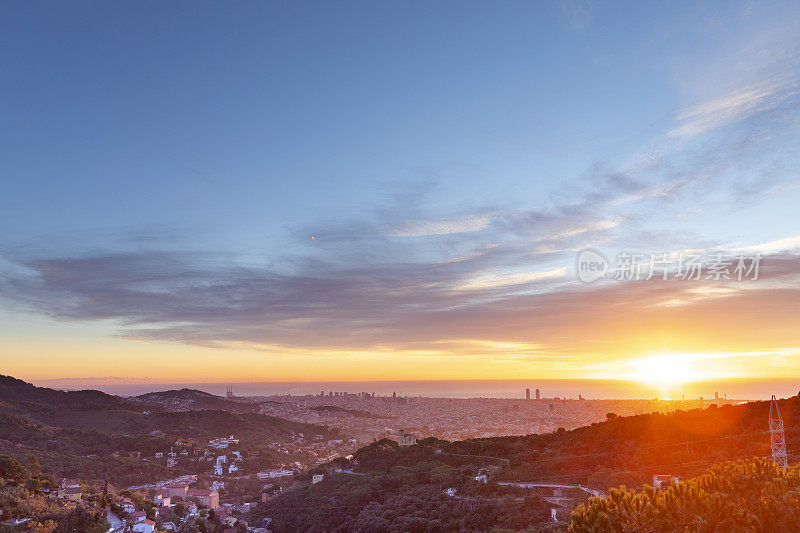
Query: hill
(630, 450)
(194, 400)
(21, 396)
(619, 451)
(89, 434)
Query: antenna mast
(776, 436)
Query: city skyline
(399, 192)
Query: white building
(271, 474)
(145, 526)
(406, 439)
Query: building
(172, 462)
(67, 483)
(72, 493)
(176, 491)
(145, 526)
(406, 439)
(538, 395)
(665, 481)
(271, 474)
(527, 394)
(128, 506)
(316, 478)
(209, 498)
(161, 500)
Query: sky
(262, 191)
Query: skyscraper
(527, 394)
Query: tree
(11, 470)
(742, 496)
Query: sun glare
(666, 369)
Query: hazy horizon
(735, 389)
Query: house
(209, 498)
(67, 483)
(138, 516)
(316, 478)
(271, 474)
(128, 506)
(178, 490)
(172, 462)
(406, 439)
(483, 478)
(159, 455)
(72, 493)
(665, 480)
(232, 468)
(145, 526)
(161, 500)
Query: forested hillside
(747, 496)
(403, 488)
(89, 434)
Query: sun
(665, 369)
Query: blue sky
(165, 166)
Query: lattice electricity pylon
(776, 436)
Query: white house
(145, 526)
(665, 480)
(406, 439)
(271, 474)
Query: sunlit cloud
(492, 281)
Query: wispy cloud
(442, 226)
(492, 281)
(730, 107)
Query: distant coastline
(734, 389)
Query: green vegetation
(197, 400)
(742, 496)
(398, 500)
(90, 435)
(21, 496)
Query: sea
(732, 389)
